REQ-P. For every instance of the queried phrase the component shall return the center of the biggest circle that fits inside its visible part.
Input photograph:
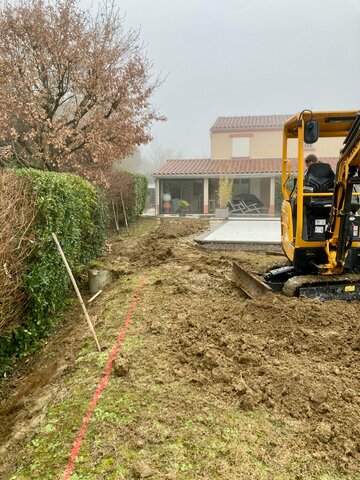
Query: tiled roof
(206, 166)
(250, 122)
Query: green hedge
(73, 209)
(138, 200)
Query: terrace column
(272, 196)
(157, 196)
(206, 196)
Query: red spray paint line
(77, 444)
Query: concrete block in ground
(99, 279)
(221, 213)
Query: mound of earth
(153, 248)
(175, 228)
(296, 357)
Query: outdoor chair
(236, 206)
(240, 206)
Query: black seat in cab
(320, 177)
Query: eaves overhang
(246, 130)
(216, 175)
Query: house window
(240, 147)
(245, 185)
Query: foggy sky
(254, 57)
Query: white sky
(246, 57)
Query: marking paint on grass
(77, 444)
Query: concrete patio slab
(244, 230)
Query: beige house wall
(263, 144)
(268, 144)
(221, 145)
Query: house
(247, 149)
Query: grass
(206, 439)
(139, 227)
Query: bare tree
(148, 160)
(74, 88)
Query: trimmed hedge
(73, 209)
(17, 215)
(138, 201)
(131, 188)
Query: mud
(296, 358)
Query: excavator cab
(320, 212)
(307, 207)
(320, 225)
(319, 178)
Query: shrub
(225, 191)
(139, 197)
(17, 215)
(68, 206)
(184, 205)
(72, 208)
(131, 188)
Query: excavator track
(324, 287)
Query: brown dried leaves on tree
(74, 89)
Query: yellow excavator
(320, 221)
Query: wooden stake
(76, 290)
(115, 217)
(117, 210)
(95, 296)
(123, 205)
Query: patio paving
(244, 230)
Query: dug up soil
(295, 358)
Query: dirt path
(210, 385)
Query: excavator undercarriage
(285, 280)
(322, 287)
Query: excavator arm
(339, 230)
